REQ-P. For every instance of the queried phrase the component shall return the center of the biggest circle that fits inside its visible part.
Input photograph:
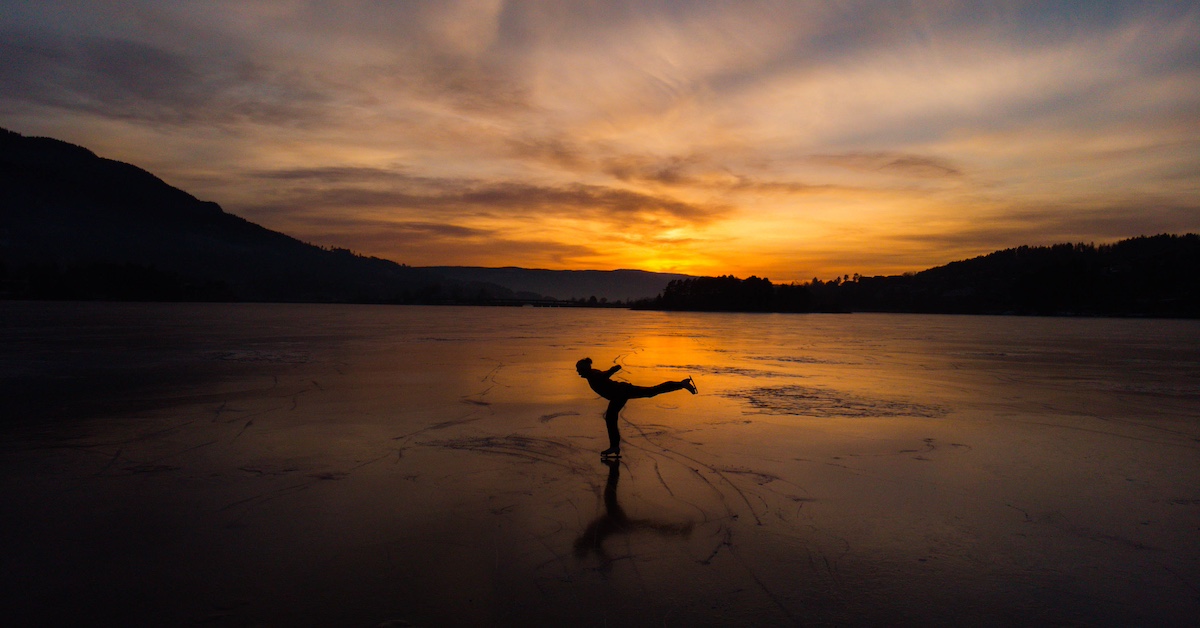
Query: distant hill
(1144, 276)
(611, 285)
(77, 226)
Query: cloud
(133, 69)
(326, 174)
(619, 207)
(472, 86)
(315, 189)
(402, 230)
(426, 243)
(557, 151)
(123, 79)
(528, 253)
(1107, 222)
(669, 171)
(904, 165)
(427, 229)
(1039, 226)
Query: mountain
(610, 285)
(77, 226)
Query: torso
(603, 386)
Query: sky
(788, 140)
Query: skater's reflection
(615, 521)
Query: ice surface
(359, 465)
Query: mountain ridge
(76, 225)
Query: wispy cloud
(130, 80)
(614, 206)
(920, 166)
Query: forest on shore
(1144, 276)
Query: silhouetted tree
(730, 294)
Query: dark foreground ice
(232, 465)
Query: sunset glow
(782, 139)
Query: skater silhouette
(615, 521)
(617, 393)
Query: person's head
(583, 366)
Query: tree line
(1143, 276)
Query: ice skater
(617, 393)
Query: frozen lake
(372, 465)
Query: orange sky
(783, 139)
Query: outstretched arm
(609, 373)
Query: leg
(641, 392)
(610, 419)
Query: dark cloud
(473, 86)
(918, 166)
(93, 73)
(555, 150)
(424, 242)
(1057, 224)
(125, 69)
(592, 200)
(666, 171)
(750, 184)
(1113, 221)
(1018, 226)
(129, 80)
(328, 174)
(337, 187)
(476, 198)
(432, 243)
(30, 69)
(619, 208)
(404, 229)
(421, 251)
(699, 172)
(899, 164)
(441, 230)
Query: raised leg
(641, 392)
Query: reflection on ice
(614, 521)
